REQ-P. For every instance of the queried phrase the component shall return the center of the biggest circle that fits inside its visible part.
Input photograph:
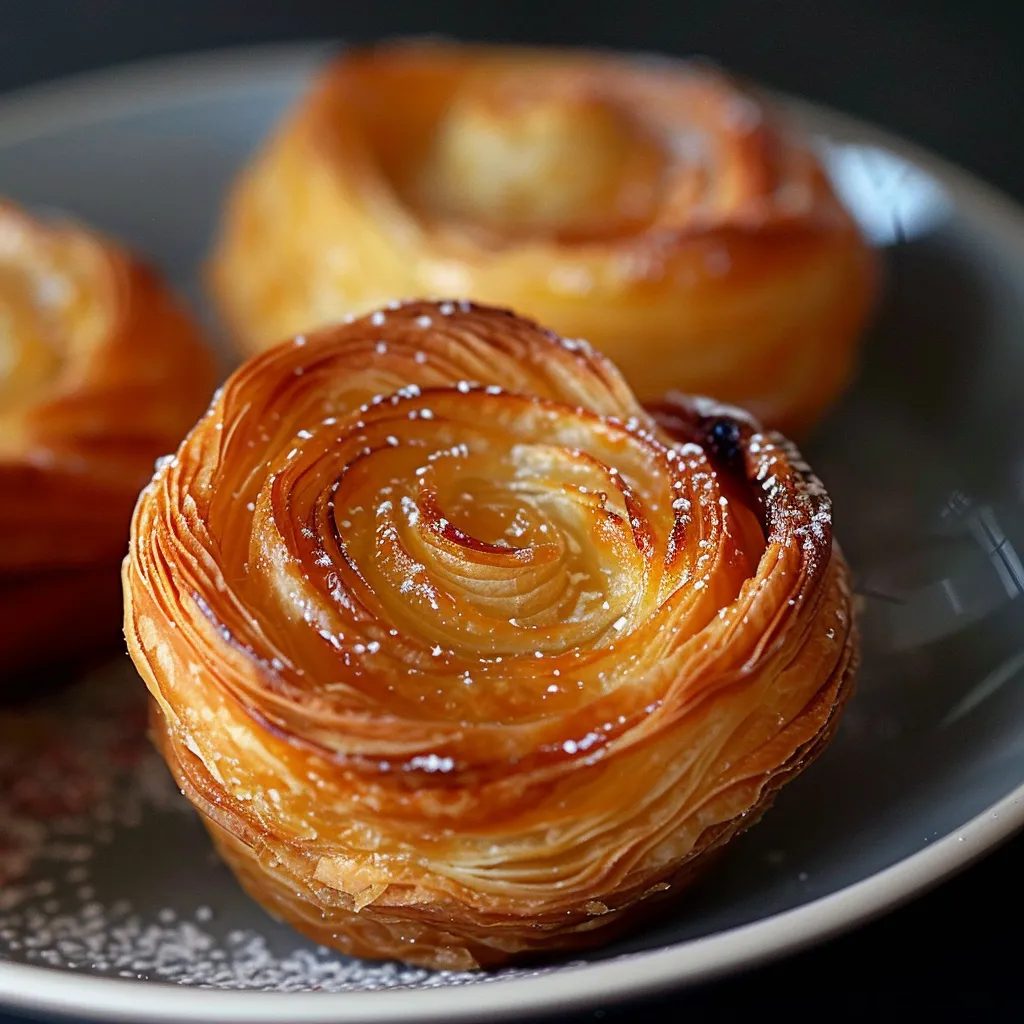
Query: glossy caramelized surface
(100, 374)
(462, 653)
(662, 211)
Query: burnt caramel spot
(723, 440)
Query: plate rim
(77, 100)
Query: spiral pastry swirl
(461, 653)
(100, 374)
(662, 211)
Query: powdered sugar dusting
(116, 941)
(72, 773)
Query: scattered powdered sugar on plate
(72, 770)
(115, 941)
(105, 869)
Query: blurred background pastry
(100, 374)
(661, 210)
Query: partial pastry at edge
(101, 373)
(462, 654)
(661, 210)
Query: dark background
(948, 74)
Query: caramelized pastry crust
(100, 374)
(661, 211)
(461, 653)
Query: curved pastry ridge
(462, 652)
(663, 211)
(100, 374)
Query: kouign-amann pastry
(661, 210)
(100, 374)
(461, 653)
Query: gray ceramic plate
(113, 905)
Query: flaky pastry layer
(463, 654)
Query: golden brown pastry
(661, 211)
(460, 652)
(100, 374)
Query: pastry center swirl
(30, 333)
(517, 161)
(51, 303)
(491, 540)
